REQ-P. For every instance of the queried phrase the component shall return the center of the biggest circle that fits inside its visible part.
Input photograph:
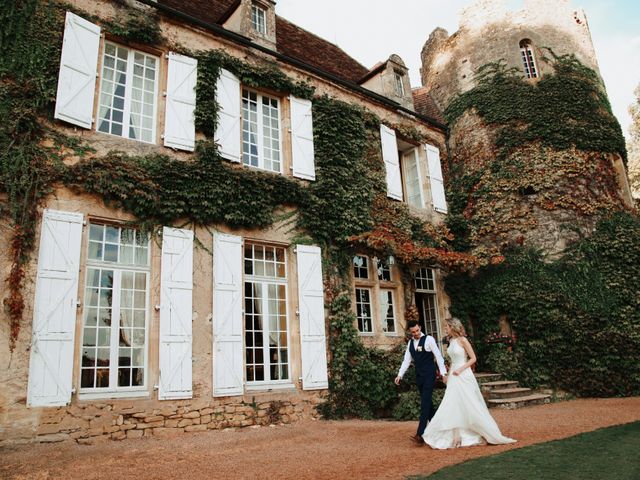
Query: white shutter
(435, 177)
(391, 162)
(311, 309)
(179, 130)
(227, 315)
(176, 288)
(77, 78)
(302, 139)
(228, 129)
(54, 318)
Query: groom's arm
(431, 342)
(405, 364)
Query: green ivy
(268, 76)
(577, 318)
(568, 108)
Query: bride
(462, 419)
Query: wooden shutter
(228, 129)
(78, 71)
(311, 310)
(227, 315)
(54, 319)
(391, 162)
(302, 139)
(436, 180)
(179, 130)
(176, 288)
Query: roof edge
(292, 61)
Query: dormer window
(399, 84)
(259, 19)
(526, 51)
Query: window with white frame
(375, 294)
(387, 312)
(426, 303)
(115, 317)
(361, 266)
(528, 60)
(128, 93)
(363, 310)
(259, 19)
(412, 179)
(399, 85)
(261, 131)
(265, 305)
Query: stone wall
(91, 422)
(490, 32)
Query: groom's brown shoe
(418, 440)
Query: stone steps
(488, 386)
(507, 394)
(498, 393)
(518, 402)
(487, 377)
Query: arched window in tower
(526, 51)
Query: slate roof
(295, 42)
(425, 105)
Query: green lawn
(609, 453)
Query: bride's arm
(470, 353)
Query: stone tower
(529, 193)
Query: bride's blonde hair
(456, 326)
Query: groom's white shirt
(430, 345)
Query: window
(424, 281)
(375, 294)
(398, 84)
(384, 269)
(259, 19)
(526, 51)
(411, 179)
(265, 317)
(387, 314)
(260, 131)
(360, 267)
(363, 310)
(128, 93)
(115, 317)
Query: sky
(371, 30)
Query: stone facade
(490, 32)
(93, 416)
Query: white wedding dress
(462, 417)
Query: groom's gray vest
(423, 361)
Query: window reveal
(266, 325)
(127, 105)
(114, 339)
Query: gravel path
(307, 450)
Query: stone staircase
(499, 393)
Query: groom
(422, 349)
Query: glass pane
(93, 277)
(95, 251)
(141, 281)
(92, 297)
(89, 339)
(91, 317)
(124, 357)
(106, 279)
(137, 377)
(127, 280)
(104, 335)
(126, 255)
(110, 253)
(88, 357)
(96, 232)
(112, 234)
(138, 319)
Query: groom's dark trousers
(425, 379)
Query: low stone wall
(92, 422)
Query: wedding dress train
(462, 419)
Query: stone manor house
(209, 327)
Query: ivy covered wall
(533, 188)
(345, 209)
